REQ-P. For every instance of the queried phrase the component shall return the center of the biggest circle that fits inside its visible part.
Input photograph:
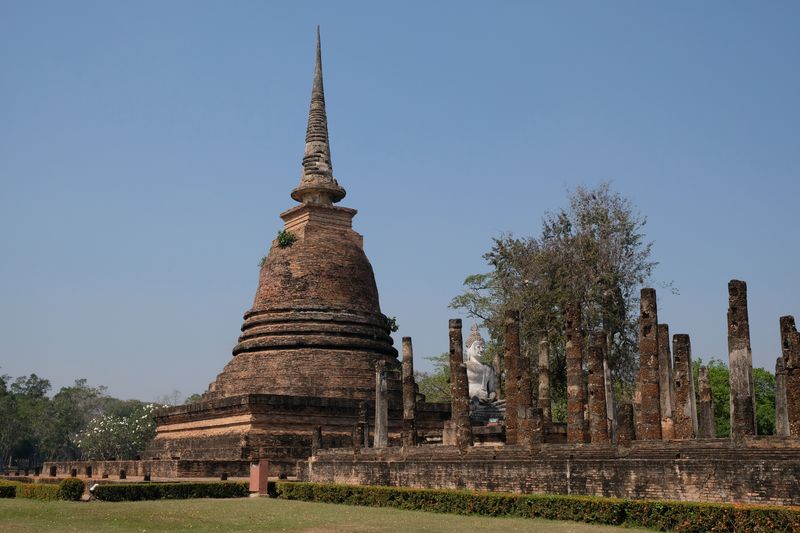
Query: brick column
(544, 380)
(781, 414)
(527, 421)
(740, 362)
(790, 346)
(706, 418)
(684, 387)
(381, 406)
(598, 418)
(409, 395)
(649, 397)
(459, 387)
(665, 383)
(576, 399)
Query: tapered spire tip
(317, 184)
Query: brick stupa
(309, 345)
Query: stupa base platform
(224, 435)
(157, 470)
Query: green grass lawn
(255, 514)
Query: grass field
(255, 514)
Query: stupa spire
(317, 184)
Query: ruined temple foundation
(708, 470)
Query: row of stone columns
(664, 403)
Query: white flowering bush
(117, 437)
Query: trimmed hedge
(684, 517)
(8, 491)
(35, 491)
(71, 489)
(118, 492)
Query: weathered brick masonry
(762, 470)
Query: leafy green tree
(69, 412)
(435, 385)
(764, 386)
(9, 423)
(719, 380)
(31, 402)
(118, 437)
(193, 398)
(592, 252)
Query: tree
(764, 386)
(193, 398)
(9, 424)
(68, 413)
(118, 437)
(435, 385)
(719, 380)
(593, 253)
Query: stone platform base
(157, 469)
(758, 470)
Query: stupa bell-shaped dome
(315, 328)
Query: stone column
(706, 418)
(526, 421)
(649, 400)
(626, 431)
(790, 346)
(684, 387)
(544, 380)
(781, 414)
(665, 383)
(611, 409)
(740, 362)
(381, 406)
(598, 418)
(576, 399)
(459, 387)
(497, 364)
(409, 395)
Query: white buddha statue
(480, 375)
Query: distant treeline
(76, 422)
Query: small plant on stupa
(286, 238)
(262, 262)
(392, 320)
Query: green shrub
(685, 517)
(35, 491)
(170, 491)
(71, 489)
(8, 491)
(286, 238)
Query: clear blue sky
(147, 148)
